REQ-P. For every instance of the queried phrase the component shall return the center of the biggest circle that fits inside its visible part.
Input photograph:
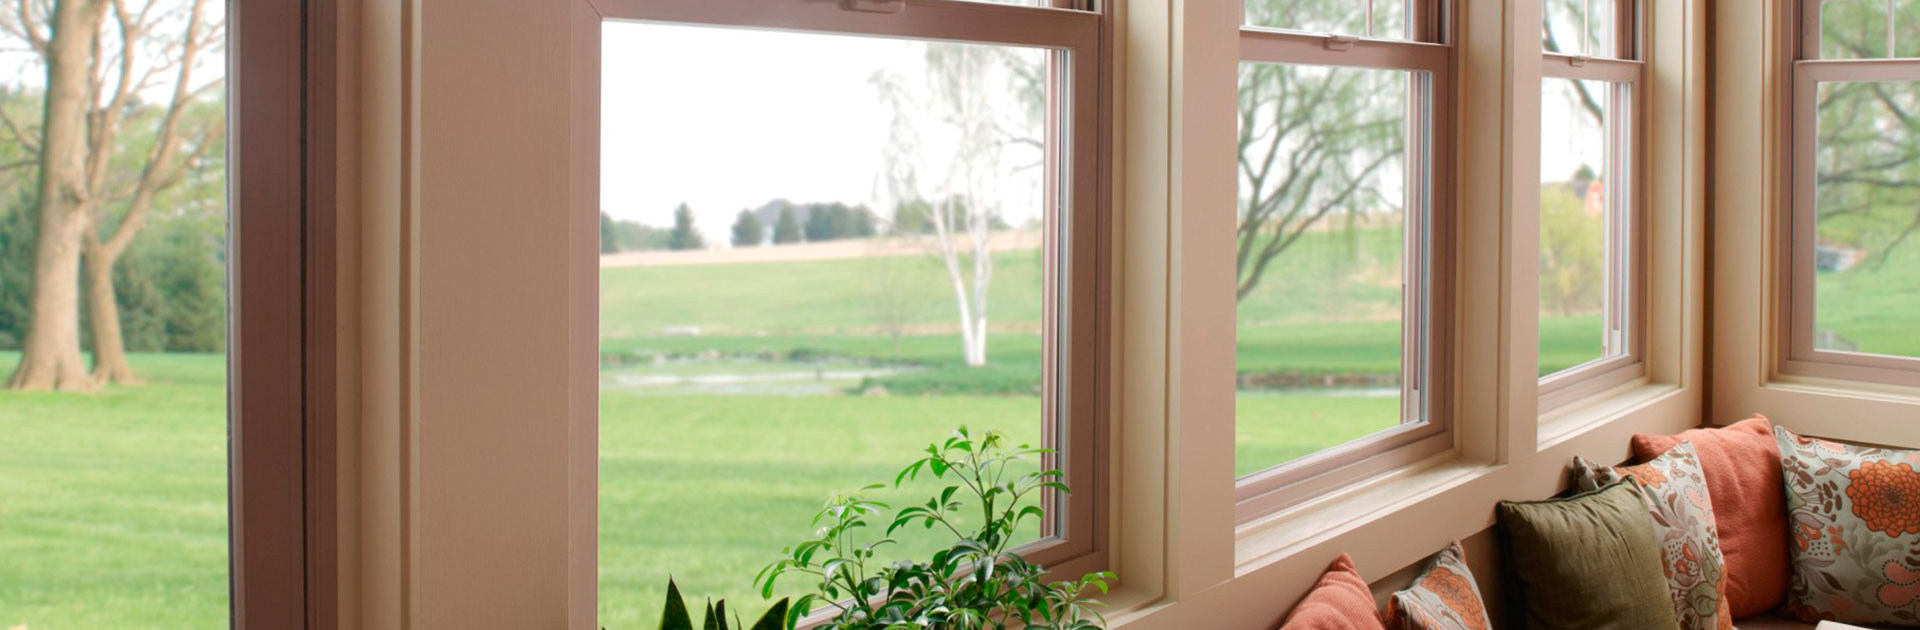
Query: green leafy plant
(977, 583)
(675, 616)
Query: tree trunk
(51, 355)
(103, 312)
(50, 358)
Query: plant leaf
(675, 616)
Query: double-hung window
(1852, 255)
(1591, 272)
(832, 232)
(1342, 213)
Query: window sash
(1076, 369)
(1797, 244)
(1627, 254)
(1426, 384)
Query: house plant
(976, 583)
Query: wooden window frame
(1076, 402)
(1426, 390)
(1627, 72)
(281, 353)
(1797, 354)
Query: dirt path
(830, 250)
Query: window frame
(283, 542)
(1626, 70)
(1076, 403)
(1426, 341)
(1796, 267)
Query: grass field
(113, 505)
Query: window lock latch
(1579, 61)
(1340, 42)
(874, 6)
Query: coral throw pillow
(1675, 491)
(1742, 465)
(1444, 597)
(1855, 515)
(1340, 601)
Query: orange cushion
(1742, 466)
(1340, 601)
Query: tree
(1867, 153)
(88, 175)
(50, 355)
(1313, 144)
(819, 225)
(685, 234)
(16, 267)
(1572, 262)
(787, 229)
(165, 164)
(620, 235)
(963, 219)
(747, 231)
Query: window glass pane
(113, 489)
(1578, 27)
(1341, 17)
(1853, 29)
(1321, 245)
(1867, 256)
(1906, 29)
(818, 266)
(1580, 278)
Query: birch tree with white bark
(958, 177)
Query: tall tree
(971, 170)
(162, 166)
(747, 230)
(685, 234)
(50, 357)
(93, 170)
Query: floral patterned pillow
(1444, 597)
(1675, 490)
(1855, 519)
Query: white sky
(1568, 135)
(726, 119)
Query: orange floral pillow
(1855, 518)
(1444, 597)
(1675, 491)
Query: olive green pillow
(1589, 562)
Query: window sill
(1568, 422)
(1866, 390)
(1271, 538)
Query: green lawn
(1874, 305)
(113, 508)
